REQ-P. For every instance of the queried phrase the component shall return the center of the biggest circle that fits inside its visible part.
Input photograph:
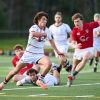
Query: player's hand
(98, 34)
(78, 46)
(61, 55)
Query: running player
(82, 41)
(34, 52)
(61, 33)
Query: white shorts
(62, 49)
(97, 48)
(31, 58)
(50, 80)
(79, 53)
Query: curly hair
(39, 16)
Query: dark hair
(58, 13)
(77, 15)
(18, 46)
(39, 16)
(31, 71)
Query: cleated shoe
(95, 69)
(70, 80)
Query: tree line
(18, 14)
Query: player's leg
(71, 76)
(56, 73)
(91, 61)
(96, 60)
(23, 81)
(86, 55)
(45, 61)
(65, 63)
(13, 72)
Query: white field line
(46, 96)
(76, 85)
(38, 95)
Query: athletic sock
(5, 81)
(96, 61)
(68, 66)
(75, 73)
(59, 68)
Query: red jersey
(23, 70)
(85, 36)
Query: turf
(85, 87)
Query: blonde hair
(96, 16)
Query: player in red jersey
(82, 41)
(19, 50)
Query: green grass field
(11, 42)
(85, 87)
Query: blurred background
(16, 17)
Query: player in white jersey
(96, 43)
(34, 52)
(49, 79)
(61, 32)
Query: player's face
(19, 52)
(33, 76)
(58, 18)
(96, 19)
(78, 23)
(42, 22)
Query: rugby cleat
(95, 69)
(70, 80)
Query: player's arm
(38, 34)
(54, 47)
(69, 38)
(25, 80)
(98, 32)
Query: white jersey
(96, 41)
(35, 46)
(60, 33)
(50, 80)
